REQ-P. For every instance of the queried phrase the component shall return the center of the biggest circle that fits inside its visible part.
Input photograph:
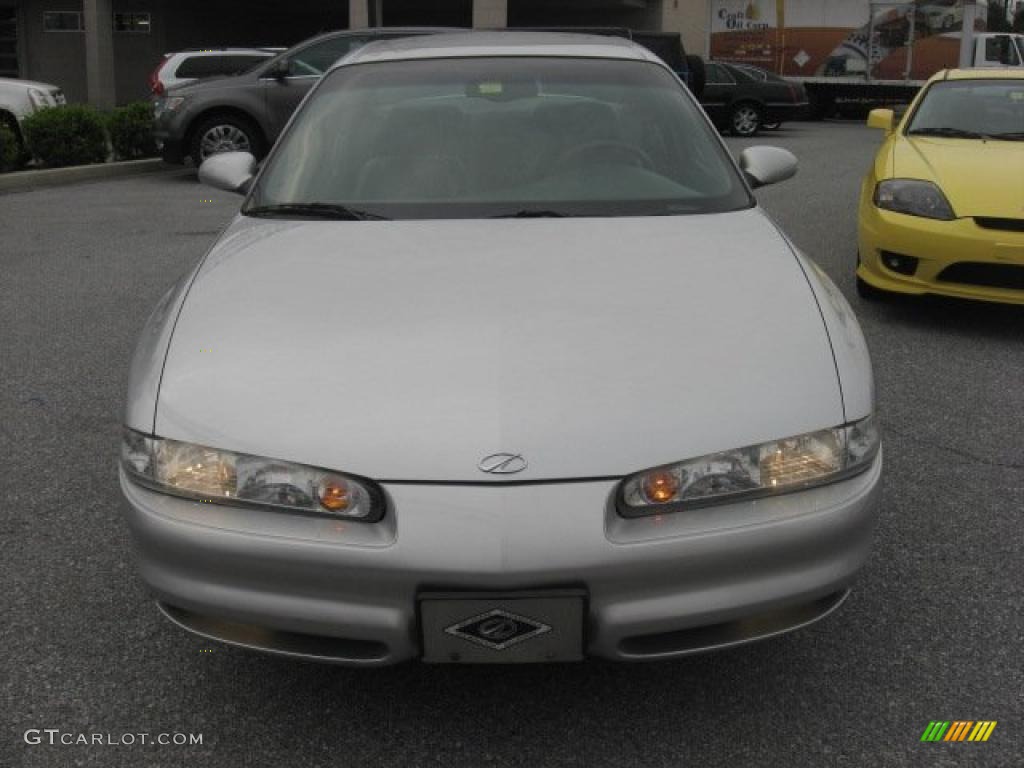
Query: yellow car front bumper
(957, 258)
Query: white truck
(856, 51)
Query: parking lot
(932, 630)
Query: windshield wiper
(1011, 136)
(531, 213)
(952, 133)
(315, 210)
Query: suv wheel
(225, 133)
(745, 120)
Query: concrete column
(967, 37)
(359, 14)
(99, 52)
(690, 19)
(490, 13)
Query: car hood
(7, 82)
(979, 178)
(411, 350)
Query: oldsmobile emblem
(498, 629)
(502, 464)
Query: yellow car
(942, 209)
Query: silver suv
(185, 67)
(20, 98)
(247, 112)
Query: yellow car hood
(979, 178)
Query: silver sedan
(500, 362)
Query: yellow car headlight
(913, 197)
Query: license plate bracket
(502, 628)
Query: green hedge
(71, 135)
(131, 131)
(10, 149)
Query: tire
(229, 133)
(745, 120)
(822, 105)
(22, 156)
(698, 75)
(868, 292)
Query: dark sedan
(743, 99)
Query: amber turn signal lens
(660, 487)
(334, 494)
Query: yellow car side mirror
(882, 118)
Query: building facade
(101, 51)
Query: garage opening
(437, 13)
(635, 14)
(8, 41)
(218, 23)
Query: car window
(718, 75)
(318, 58)
(1000, 50)
(971, 109)
(211, 66)
(753, 72)
(474, 137)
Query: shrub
(131, 131)
(10, 148)
(71, 135)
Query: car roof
(257, 51)
(500, 43)
(980, 73)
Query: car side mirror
(278, 70)
(882, 118)
(767, 165)
(230, 171)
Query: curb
(19, 181)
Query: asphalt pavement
(932, 631)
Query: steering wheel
(633, 155)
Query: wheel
(745, 120)
(822, 106)
(21, 155)
(225, 133)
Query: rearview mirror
(767, 165)
(882, 118)
(230, 171)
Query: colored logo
(958, 730)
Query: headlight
(38, 98)
(913, 197)
(224, 477)
(780, 466)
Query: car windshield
(488, 137)
(971, 109)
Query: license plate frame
(502, 627)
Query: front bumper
(987, 255)
(656, 587)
